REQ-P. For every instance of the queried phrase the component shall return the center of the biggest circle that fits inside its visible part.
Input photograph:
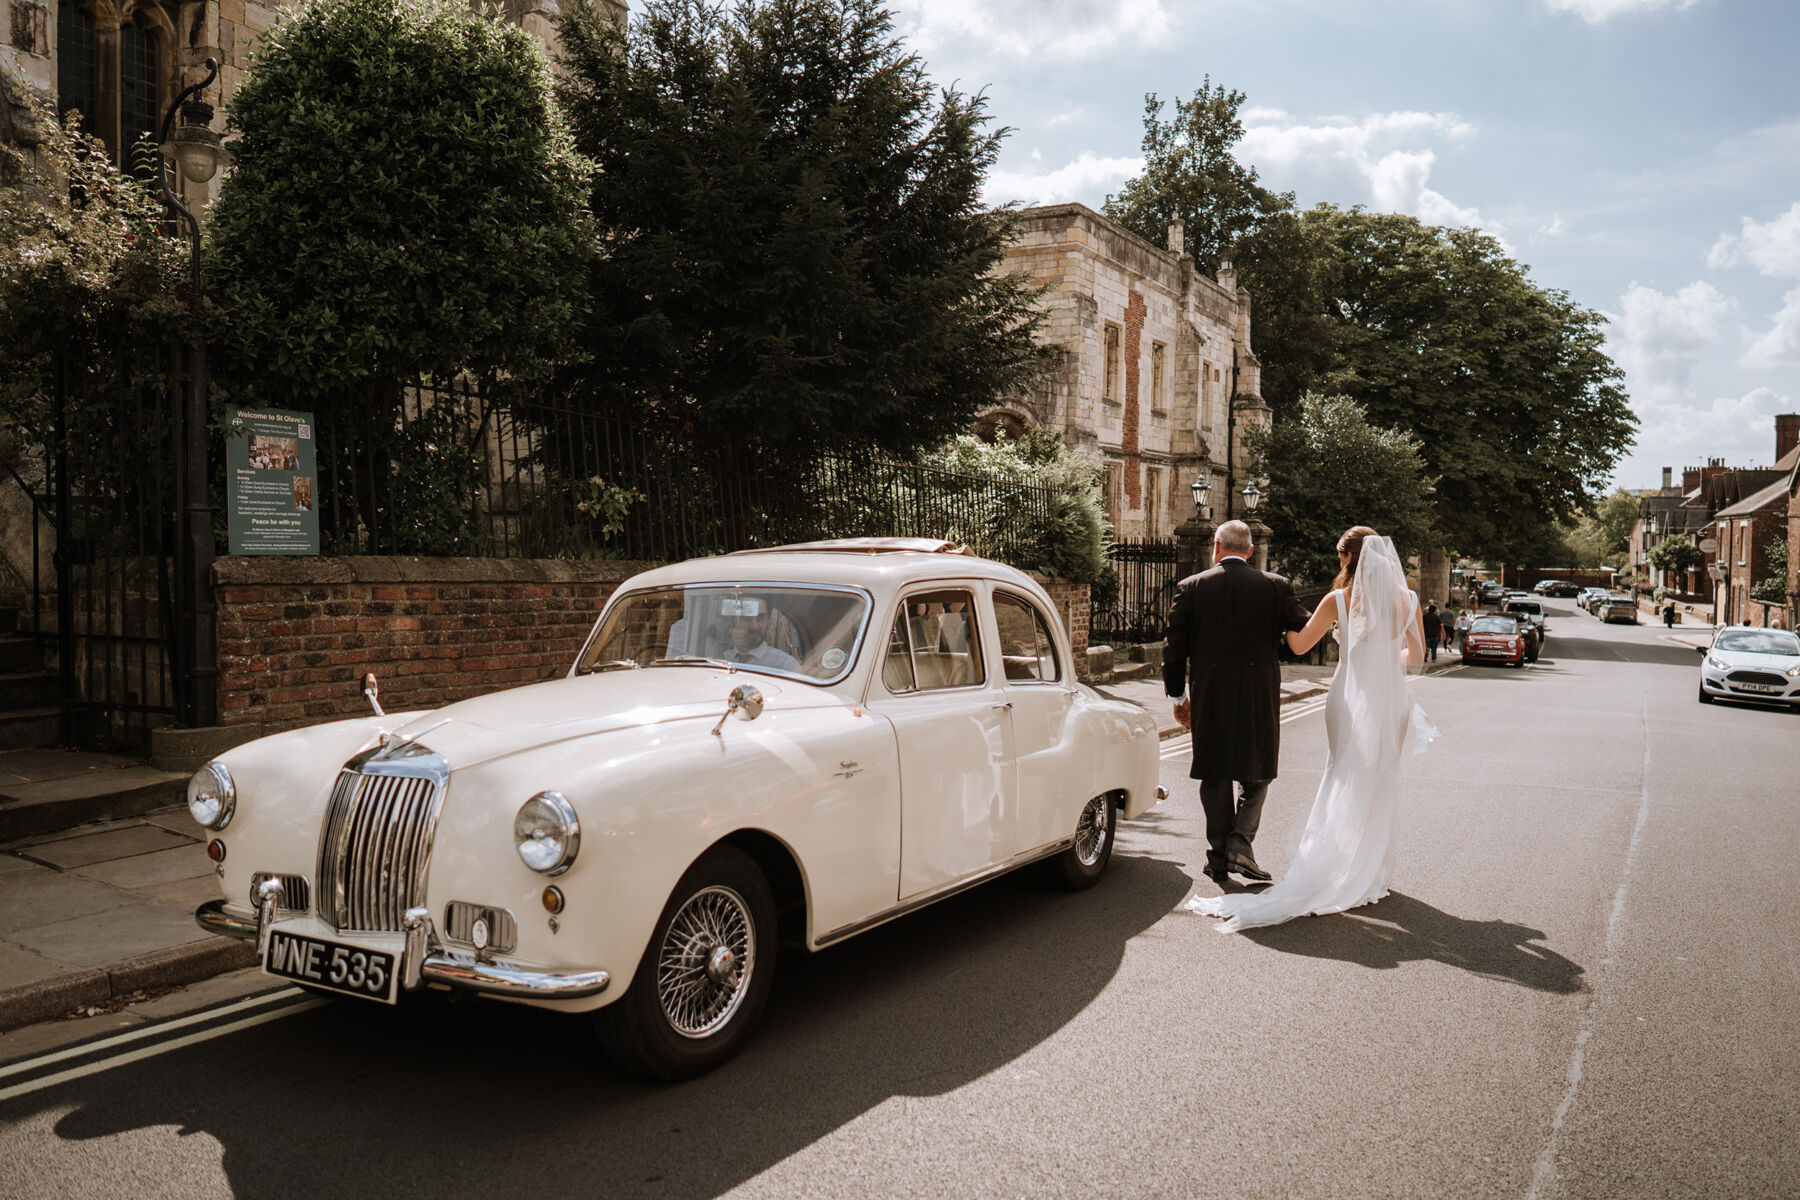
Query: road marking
(1544, 1176)
(248, 1021)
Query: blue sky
(1641, 155)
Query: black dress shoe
(1216, 874)
(1251, 871)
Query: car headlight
(1716, 664)
(547, 833)
(1793, 672)
(211, 796)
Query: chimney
(1178, 236)
(1228, 276)
(1690, 479)
(1787, 433)
(1668, 478)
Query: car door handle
(1003, 706)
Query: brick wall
(295, 635)
(1072, 604)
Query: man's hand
(1182, 713)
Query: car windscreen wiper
(684, 659)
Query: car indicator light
(553, 899)
(215, 850)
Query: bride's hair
(1351, 543)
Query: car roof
(878, 564)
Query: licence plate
(1757, 687)
(352, 970)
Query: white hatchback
(1749, 663)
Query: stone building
(1149, 367)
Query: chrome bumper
(496, 979)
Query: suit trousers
(1231, 826)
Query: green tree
(1772, 587)
(404, 201)
(1517, 409)
(795, 247)
(1676, 553)
(1330, 468)
(1603, 535)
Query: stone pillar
(1259, 538)
(1193, 552)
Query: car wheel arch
(781, 868)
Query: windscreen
(807, 633)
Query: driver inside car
(748, 633)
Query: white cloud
(1387, 155)
(1597, 12)
(1086, 179)
(1772, 247)
(1066, 30)
(1738, 429)
(1779, 345)
(1555, 228)
(1656, 337)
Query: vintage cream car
(905, 724)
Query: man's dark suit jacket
(1224, 647)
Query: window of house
(1115, 493)
(1158, 355)
(1153, 502)
(1110, 386)
(1027, 651)
(1743, 542)
(120, 99)
(1206, 395)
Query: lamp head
(1252, 496)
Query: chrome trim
(268, 900)
(459, 924)
(946, 891)
(216, 919)
(792, 585)
(745, 701)
(228, 799)
(497, 979)
(381, 821)
(418, 942)
(1162, 793)
(371, 690)
(571, 822)
(296, 890)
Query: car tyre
(704, 977)
(1704, 698)
(1082, 864)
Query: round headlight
(547, 833)
(212, 797)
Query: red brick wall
(1072, 605)
(295, 635)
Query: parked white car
(1745, 662)
(798, 744)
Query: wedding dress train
(1345, 856)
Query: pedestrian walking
(1464, 619)
(1434, 630)
(1669, 614)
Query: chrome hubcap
(1090, 831)
(705, 962)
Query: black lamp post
(1193, 537)
(196, 150)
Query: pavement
(101, 915)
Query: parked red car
(1494, 639)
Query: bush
(1071, 542)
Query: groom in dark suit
(1223, 662)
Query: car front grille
(459, 925)
(1762, 677)
(296, 893)
(374, 848)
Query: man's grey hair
(1233, 537)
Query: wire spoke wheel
(706, 961)
(1092, 831)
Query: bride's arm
(1415, 637)
(1305, 639)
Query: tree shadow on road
(1401, 929)
(354, 1099)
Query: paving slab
(12, 864)
(19, 965)
(102, 847)
(148, 870)
(187, 894)
(105, 937)
(46, 897)
(37, 766)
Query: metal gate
(1146, 572)
(108, 486)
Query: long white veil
(1345, 854)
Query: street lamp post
(195, 148)
(1194, 535)
(1259, 533)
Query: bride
(1345, 857)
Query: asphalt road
(1583, 986)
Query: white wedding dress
(1346, 854)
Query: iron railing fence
(463, 470)
(1147, 576)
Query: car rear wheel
(1082, 864)
(704, 976)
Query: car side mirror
(745, 701)
(1699, 649)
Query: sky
(1642, 156)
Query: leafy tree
(795, 247)
(1516, 407)
(1191, 174)
(1072, 542)
(1772, 587)
(1676, 553)
(404, 201)
(1330, 467)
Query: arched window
(76, 77)
(139, 106)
